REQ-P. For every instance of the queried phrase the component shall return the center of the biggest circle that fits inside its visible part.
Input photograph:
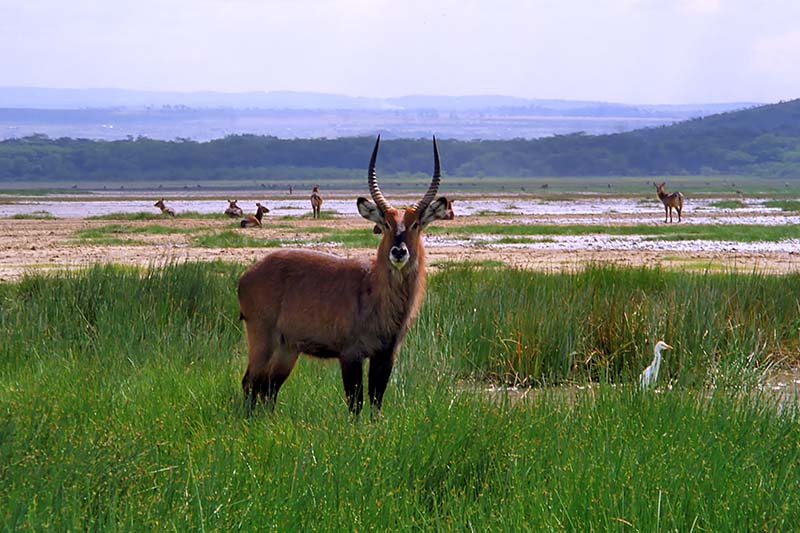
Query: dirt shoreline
(52, 245)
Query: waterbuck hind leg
(267, 370)
(353, 378)
(380, 369)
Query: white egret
(650, 374)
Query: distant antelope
(164, 209)
(301, 301)
(233, 211)
(449, 214)
(670, 200)
(253, 221)
(316, 202)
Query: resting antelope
(233, 211)
(449, 213)
(253, 221)
(300, 301)
(670, 200)
(164, 209)
(316, 202)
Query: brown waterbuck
(164, 209)
(670, 200)
(316, 202)
(233, 210)
(253, 221)
(449, 213)
(298, 301)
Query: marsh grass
(324, 215)
(727, 204)
(119, 234)
(33, 215)
(501, 323)
(352, 238)
(521, 240)
(784, 205)
(120, 229)
(234, 239)
(120, 408)
(685, 231)
(145, 215)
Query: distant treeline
(759, 141)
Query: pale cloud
(669, 51)
(699, 7)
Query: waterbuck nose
(399, 253)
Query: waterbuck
(449, 213)
(316, 202)
(164, 209)
(233, 210)
(670, 200)
(253, 221)
(299, 301)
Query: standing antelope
(164, 209)
(254, 220)
(233, 211)
(316, 202)
(299, 301)
(670, 200)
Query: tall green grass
(600, 324)
(120, 408)
(146, 215)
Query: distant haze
(629, 51)
(118, 114)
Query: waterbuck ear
(436, 210)
(369, 210)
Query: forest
(760, 141)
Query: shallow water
(592, 211)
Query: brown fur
(164, 209)
(670, 201)
(252, 221)
(316, 202)
(233, 210)
(449, 214)
(301, 301)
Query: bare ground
(41, 245)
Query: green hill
(761, 141)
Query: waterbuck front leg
(380, 369)
(666, 213)
(353, 378)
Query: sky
(628, 51)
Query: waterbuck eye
(414, 225)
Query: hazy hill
(55, 98)
(760, 141)
(113, 114)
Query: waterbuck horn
(434, 186)
(372, 180)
